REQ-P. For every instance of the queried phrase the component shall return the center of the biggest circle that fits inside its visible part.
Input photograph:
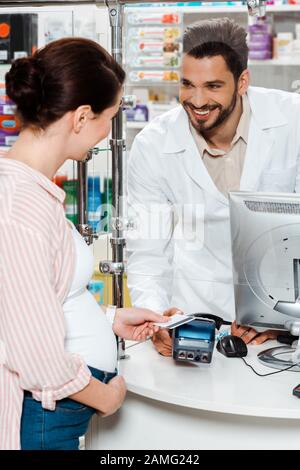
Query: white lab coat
(195, 274)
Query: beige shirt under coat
(225, 168)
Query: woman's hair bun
(60, 77)
(24, 85)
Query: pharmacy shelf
(217, 9)
(237, 9)
(277, 62)
(280, 62)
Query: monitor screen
(265, 234)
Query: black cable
(270, 373)
(218, 320)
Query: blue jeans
(61, 428)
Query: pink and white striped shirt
(36, 269)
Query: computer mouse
(232, 346)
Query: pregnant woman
(57, 346)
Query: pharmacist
(224, 136)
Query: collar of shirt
(9, 166)
(242, 131)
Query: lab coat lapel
(179, 141)
(266, 117)
(197, 171)
(260, 143)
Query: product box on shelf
(71, 208)
(260, 40)
(18, 36)
(9, 123)
(153, 46)
(154, 76)
(139, 113)
(136, 19)
(59, 178)
(9, 129)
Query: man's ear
(243, 83)
(80, 117)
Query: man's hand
(249, 335)
(136, 324)
(162, 340)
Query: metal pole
(82, 198)
(117, 144)
(82, 193)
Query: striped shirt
(36, 269)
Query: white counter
(187, 406)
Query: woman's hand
(162, 340)
(116, 395)
(136, 323)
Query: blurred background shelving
(278, 72)
(157, 92)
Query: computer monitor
(265, 233)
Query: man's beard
(222, 117)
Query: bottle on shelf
(59, 178)
(139, 113)
(107, 208)
(71, 209)
(260, 39)
(94, 202)
(284, 45)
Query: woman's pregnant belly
(89, 333)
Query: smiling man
(224, 136)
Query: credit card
(176, 320)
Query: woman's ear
(80, 117)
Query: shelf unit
(274, 73)
(276, 62)
(217, 9)
(99, 22)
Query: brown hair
(214, 37)
(60, 77)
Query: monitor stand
(278, 358)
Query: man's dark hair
(210, 38)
